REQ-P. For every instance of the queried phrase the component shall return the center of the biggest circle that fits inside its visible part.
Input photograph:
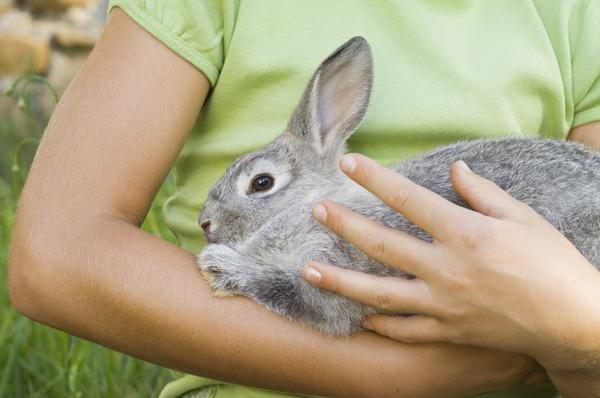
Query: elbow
(20, 295)
(33, 274)
(50, 272)
(23, 276)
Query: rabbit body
(258, 219)
(560, 180)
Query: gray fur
(261, 243)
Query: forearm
(578, 373)
(114, 284)
(579, 376)
(585, 380)
(118, 286)
(577, 383)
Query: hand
(497, 276)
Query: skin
(79, 261)
(498, 276)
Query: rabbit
(257, 217)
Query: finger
(407, 329)
(434, 214)
(383, 293)
(484, 196)
(391, 247)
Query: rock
(50, 6)
(21, 53)
(22, 49)
(101, 12)
(78, 28)
(6, 6)
(80, 16)
(73, 38)
(64, 67)
(47, 37)
(15, 21)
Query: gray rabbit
(258, 220)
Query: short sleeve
(586, 66)
(196, 30)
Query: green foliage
(36, 360)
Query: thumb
(485, 197)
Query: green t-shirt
(444, 71)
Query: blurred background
(43, 43)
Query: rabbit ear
(336, 98)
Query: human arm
(479, 282)
(79, 261)
(587, 134)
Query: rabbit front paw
(219, 265)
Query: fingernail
(312, 275)
(348, 164)
(320, 213)
(367, 324)
(463, 166)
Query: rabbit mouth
(211, 237)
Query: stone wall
(51, 38)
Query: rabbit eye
(262, 182)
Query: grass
(35, 360)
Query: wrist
(576, 383)
(581, 356)
(574, 336)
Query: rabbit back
(559, 180)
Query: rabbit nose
(205, 226)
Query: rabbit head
(300, 166)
